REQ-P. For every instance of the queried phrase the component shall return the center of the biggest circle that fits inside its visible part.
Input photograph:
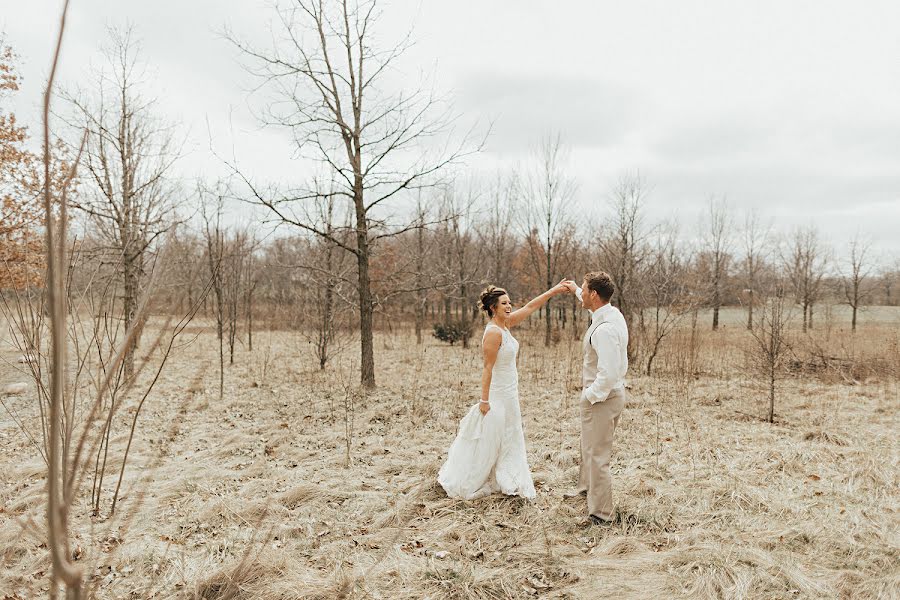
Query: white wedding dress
(488, 454)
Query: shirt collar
(601, 313)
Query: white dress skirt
(488, 454)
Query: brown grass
(251, 498)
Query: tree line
(393, 227)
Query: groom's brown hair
(601, 283)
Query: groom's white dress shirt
(605, 353)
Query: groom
(605, 362)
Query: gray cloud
(803, 129)
(714, 140)
(586, 113)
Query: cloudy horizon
(791, 109)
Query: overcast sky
(789, 106)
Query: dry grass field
(251, 497)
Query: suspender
(591, 332)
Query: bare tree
(458, 207)
(755, 238)
(622, 250)
(548, 192)
(771, 347)
(240, 248)
(421, 252)
(327, 268)
(497, 230)
(55, 235)
(853, 281)
(668, 297)
(212, 203)
(128, 155)
(186, 281)
(251, 278)
(890, 277)
(67, 449)
(328, 73)
(805, 262)
(350, 397)
(438, 225)
(717, 244)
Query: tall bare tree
(127, 192)
(548, 192)
(497, 230)
(421, 251)
(754, 237)
(251, 278)
(329, 76)
(717, 244)
(212, 202)
(459, 202)
(668, 297)
(805, 263)
(858, 269)
(240, 247)
(623, 252)
(326, 266)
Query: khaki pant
(598, 425)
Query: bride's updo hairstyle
(489, 298)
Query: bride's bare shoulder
(493, 335)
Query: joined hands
(566, 286)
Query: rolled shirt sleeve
(578, 294)
(606, 344)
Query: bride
(488, 453)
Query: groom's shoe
(595, 520)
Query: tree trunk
(805, 313)
(420, 318)
(420, 264)
(771, 415)
(853, 322)
(232, 329)
(650, 361)
(548, 313)
(366, 307)
(129, 308)
(576, 330)
(464, 313)
(717, 302)
(327, 322)
(250, 322)
(221, 361)
(750, 312)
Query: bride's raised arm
(523, 313)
